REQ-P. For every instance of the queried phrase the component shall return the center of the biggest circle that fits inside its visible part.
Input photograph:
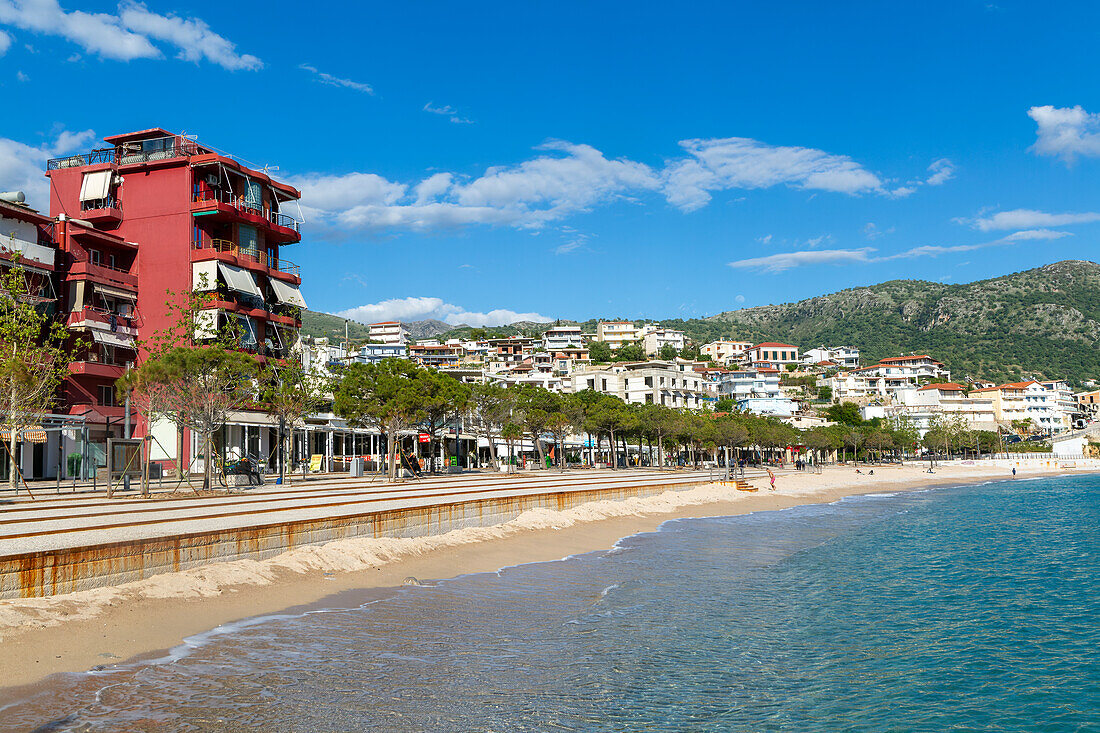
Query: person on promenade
(771, 476)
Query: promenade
(63, 543)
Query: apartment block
(388, 332)
(617, 334)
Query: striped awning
(29, 435)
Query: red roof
(946, 387)
(773, 345)
(906, 358)
(825, 363)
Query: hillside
(316, 325)
(1043, 322)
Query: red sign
(424, 438)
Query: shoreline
(103, 627)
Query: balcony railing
(143, 151)
(284, 220)
(230, 247)
(103, 155)
(110, 202)
(246, 206)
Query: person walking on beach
(771, 476)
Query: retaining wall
(40, 574)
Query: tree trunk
(207, 468)
(541, 450)
(11, 459)
(660, 450)
(614, 451)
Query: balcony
(248, 257)
(102, 211)
(226, 205)
(84, 268)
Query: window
(94, 256)
(111, 262)
(106, 395)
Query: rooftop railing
(102, 155)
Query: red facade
(147, 219)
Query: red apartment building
(144, 220)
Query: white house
(773, 354)
(657, 382)
(388, 332)
(655, 338)
(617, 333)
(844, 357)
(559, 338)
(725, 352)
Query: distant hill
(318, 325)
(1043, 322)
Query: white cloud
(788, 260)
(766, 239)
(566, 178)
(537, 191)
(814, 242)
(738, 162)
(942, 171)
(5, 43)
(421, 308)
(22, 166)
(191, 36)
(1066, 132)
(128, 35)
(1027, 219)
(20, 76)
(447, 110)
(336, 81)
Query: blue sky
(479, 162)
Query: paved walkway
(84, 519)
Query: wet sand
(78, 631)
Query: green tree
(667, 352)
(599, 352)
(846, 413)
(725, 404)
(289, 393)
(196, 388)
(441, 399)
(630, 352)
(534, 407)
(382, 396)
(34, 359)
(488, 408)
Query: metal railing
(285, 220)
(102, 155)
(110, 202)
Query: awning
(239, 279)
(29, 435)
(204, 276)
(95, 185)
(112, 339)
(115, 292)
(206, 324)
(287, 293)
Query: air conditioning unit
(211, 179)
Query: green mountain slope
(1043, 322)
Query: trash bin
(356, 468)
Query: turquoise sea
(972, 608)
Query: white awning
(115, 292)
(239, 279)
(204, 276)
(107, 338)
(287, 293)
(95, 185)
(206, 324)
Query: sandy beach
(79, 631)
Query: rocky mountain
(1043, 322)
(316, 325)
(1037, 323)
